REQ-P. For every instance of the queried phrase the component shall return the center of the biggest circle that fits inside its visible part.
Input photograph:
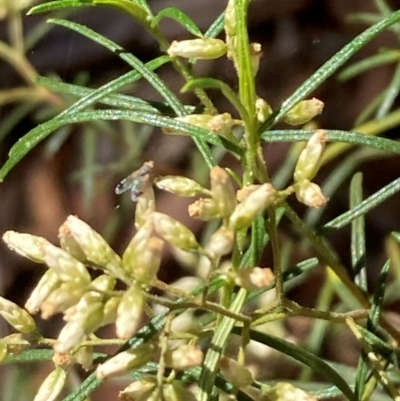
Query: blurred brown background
(297, 37)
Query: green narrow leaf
(216, 27)
(333, 136)
(304, 356)
(358, 247)
(57, 5)
(364, 207)
(180, 17)
(331, 66)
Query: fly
(136, 182)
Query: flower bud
(145, 205)
(254, 277)
(287, 392)
(94, 246)
(69, 244)
(129, 312)
(16, 343)
(235, 373)
(176, 392)
(127, 360)
(205, 49)
(222, 125)
(310, 194)
(221, 242)
(85, 321)
(52, 385)
(17, 317)
(204, 209)
(222, 191)
(62, 298)
(310, 158)
(84, 356)
(230, 19)
(263, 110)
(138, 389)
(246, 211)
(110, 310)
(27, 245)
(184, 357)
(46, 285)
(174, 232)
(3, 349)
(181, 186)
(65, 265)
(304, 111)
(255, 56)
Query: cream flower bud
(85, 321)
(181, 186)
(230, 19)
(254, 277)
(263, 110)
(234, 372)
(184, 357)
(304, 111)
(65, 265)
(94, 246)
(129, 312)
(174, 232)
(205, 49)
(137, 390)
(62, 298)
(27, 245)
(176, 392)
(310, 194)
(255, 56)
(288, 392)
(246, 211)
(221, 242)
(110, 310)
(222, 191)
(310, 158)
(46, 285)
(204, 209)
(145, 205)
(52, 385)
(127, 360)
(222, 124)
(84, 356)
(17, 317)
(16, 343)
(69, 244)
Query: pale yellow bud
(204, 209)
(17, 317)
(176, 392)
(230, 19)
(85, 321)
(27, 245)
(310, 194)
(263, 110)
(184, 357)
(254, 277)
(310, 158)
(181, 186)
(304, 111)
(69, 244)
(84, 356)
(222, 191)
(174, 232)
(145, 205)
(16, 343)
(46, 285)
(3, 349)
(52, 385)
(94, 246)
(129, 312)
(255, 56)
(65, 265)
(222, 124)
(62, 298)
(235, 373)
(138, 389)
(221, 242)
(127, 360)
(243, 193)
(246, 211)
(110, 310)
(288, 392)
(206, 49)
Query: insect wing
(124, 185)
